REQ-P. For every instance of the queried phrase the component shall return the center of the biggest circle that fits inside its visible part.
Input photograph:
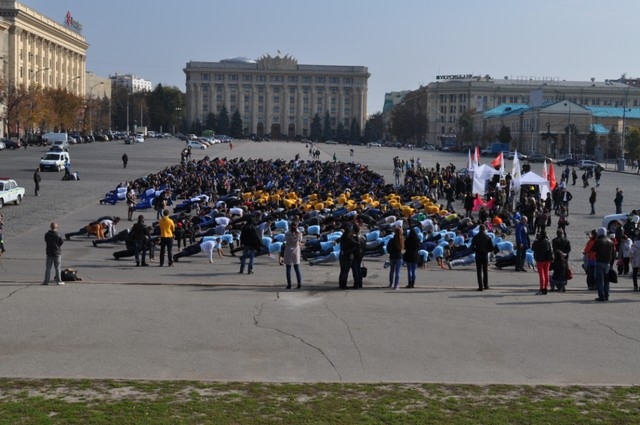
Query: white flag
(516, 177)
(469, 164)
(545, 173)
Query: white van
(57, 139)
(54, 161)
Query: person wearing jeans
(167, 227)
(54, 243)
(605, 255)
(394, 248)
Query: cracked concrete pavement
(205, 322)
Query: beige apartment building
(275, 95)
(446, 99)
(42, 51)
(38, 51)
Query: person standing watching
(251, 242)
(167, 227)
(139, 235)
(522, 243)
(131, 203)
(36, 180)
(592, 201)
(411, 256)
(292, 253)
(618, 200)
(482, 245)
(395, 246)
(1, 237)
(543, 254)
(54, 243)
(605, 255)
(125, 159)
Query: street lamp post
(70, 81)
(621, 161)
(32, 79)
(90, 101)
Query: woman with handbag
(411, 257)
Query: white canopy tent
(481, 176)
(533, 179)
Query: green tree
(316, 128)
(466, 125)
(224, 125)
(374, 128)
(613, 143)
(211, 122)
(327, 131)
(354, 131)
(236, 125)
(164, 105)
(341, 133)
(504, 135)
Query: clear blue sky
(404, 43)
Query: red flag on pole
(496, 163)
(552, 177)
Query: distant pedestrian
(1, 237)
(618, 200)
(53, 243)
(592, 201)
(574, 176)
(36, 180)
(131, 203)
(125, 159)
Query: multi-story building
(391, 99)
(450, 96)
(132, 83)
(41, 51)
(276, 95)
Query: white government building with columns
(275, 95)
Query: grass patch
(157, 402)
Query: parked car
(571, 162)
(2, 145)
(60, 146)
(429, 148)
(608, 221)
(331, 142)
(538, 157)
(512, 155)
(486, 152)
(194, 144)
(375, 145)
(10, 191)
(139, 138)
(587, 164)
(10, 144)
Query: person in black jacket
(411, 256)
(138, 236)
(543, 254)
(482, 245)
(251, 242)
(349, 247)
(54, 243)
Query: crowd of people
(325, 212)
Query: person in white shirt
(109, 226)
(208, 247)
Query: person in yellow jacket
(167, 227)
